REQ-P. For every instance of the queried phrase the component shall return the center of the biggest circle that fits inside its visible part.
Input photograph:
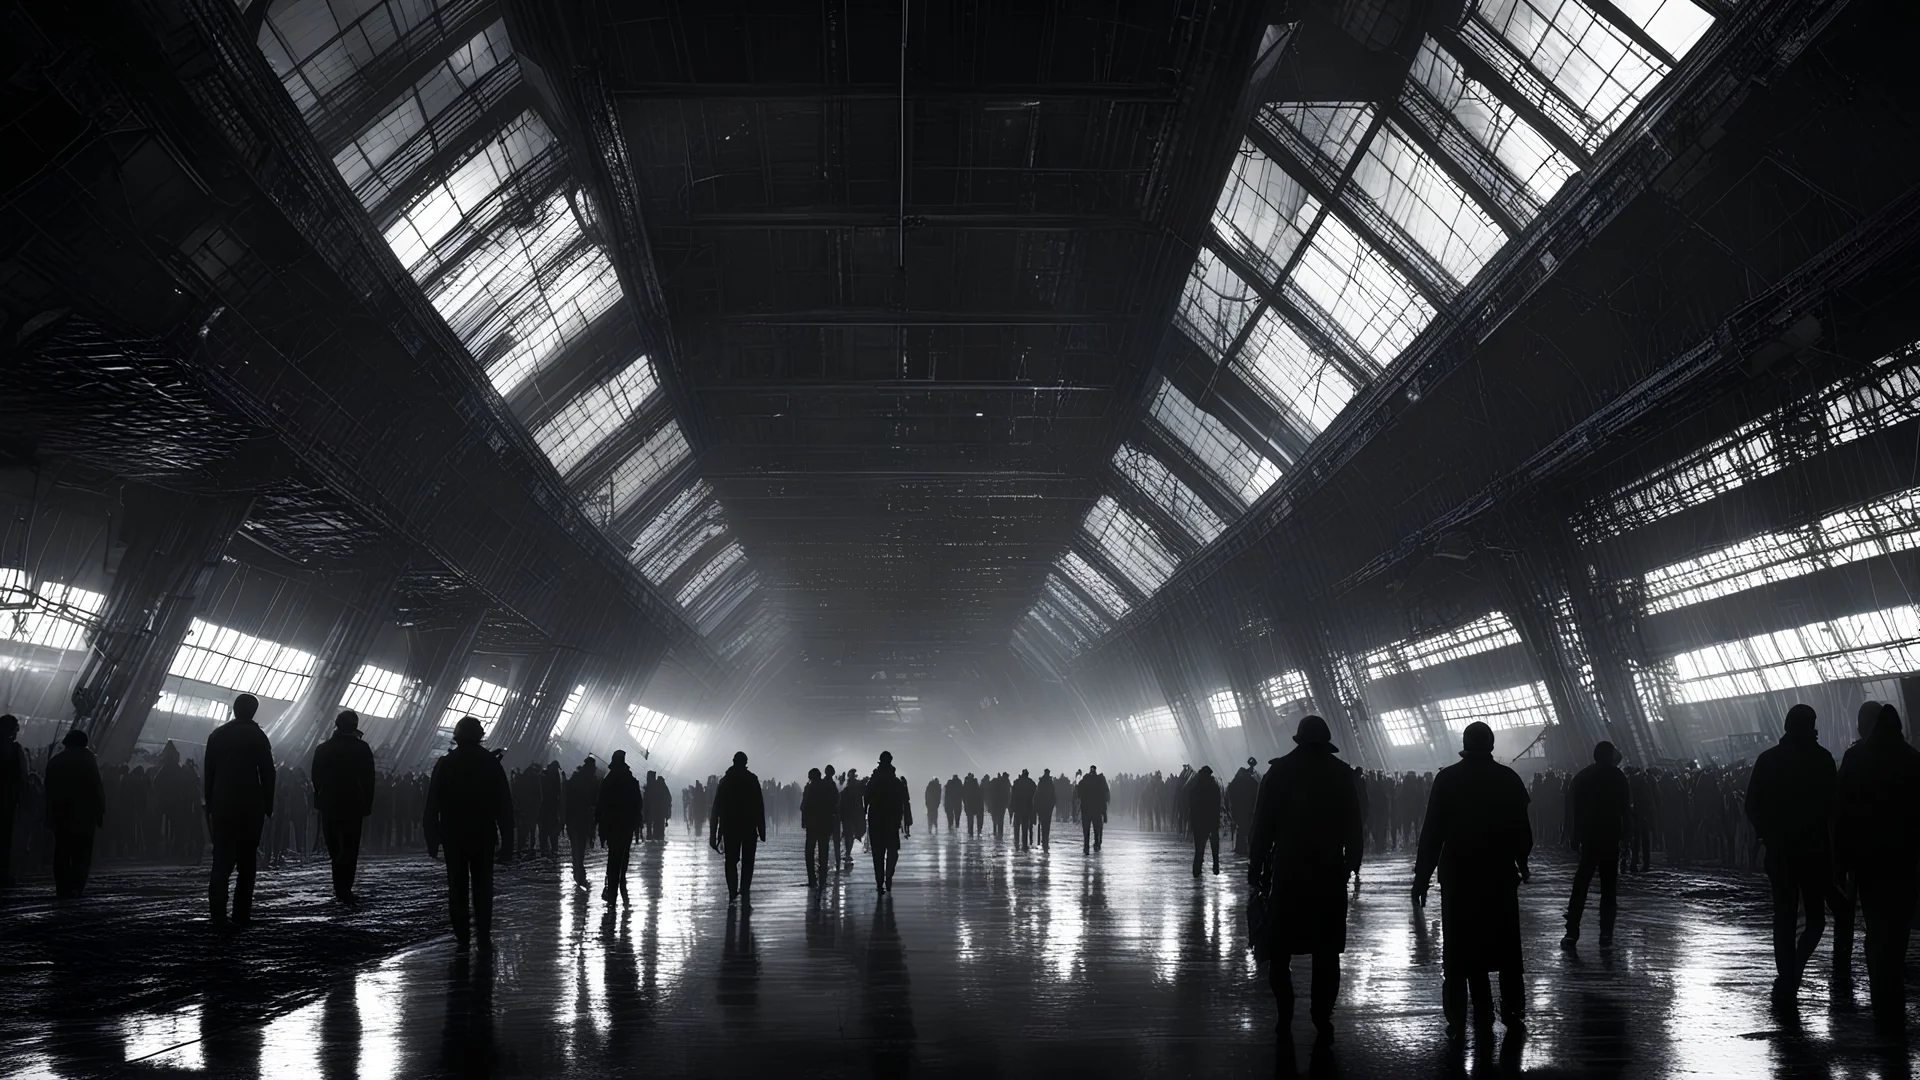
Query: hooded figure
(1091, 794)
(1477, 835)
(1790, 803)
(1602, 807)
(950, 801)
(76, 808)
(1021, 804)
(1877, 840)
(238, 795)
(819, 816)
(1243, 792)
(739, 821)
(889, 817)
(1304, 839)
(469, 811)
(1046, 796)
(582, 795)
(1203, 816)
(343, 778)
(619, 811)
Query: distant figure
(1203, 816)
(819, 816)
(932, 798)
(1022, 807)
(889, 817)
(972, 799)
(853, 816)
(620, 811)
(1045, 798)
(1477, 834)
(1602, 809)
(1877, 836)
(998, 793)
(582, 793)
(343, 782)
(469, 812)
(950, 801)
(76, 808)
(1092, 796)
(1304, 838)
(1790, 801)
(1243, 794)
(238, 797)
(739, 820)
(553, 786)
(13, 791)
(657, 799)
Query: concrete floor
(985, 963)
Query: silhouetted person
(853, 816)
(889, 816)
(1203, 816)
(238, 797)
(620, 810)
(343, 780)
(1093, 795)
(1045, 797)
(1022, 806)
(13, 790)
(1790, 803)
(553, 796)
(469, 812)
(819, 816)
(950, 801)
(658, 800)
(76, 808)
(1844, 895)
(1877, 840)
(998, 792)
(739, 821)
(971, 798)
(1243, 794)
(582, 793)
(1477, 835)
(1304, 837)
(1602, 809)
(932, 799)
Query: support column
(527, 724)
(173, 547)
(439, 663)
(1170, 671)
(310, 720)
(1257, 721)
(1336, 693)
(1534, 597)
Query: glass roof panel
(1494, 125)
(1075, 634)
(320, 46)
(1240, 468)
(1095, 584)
(721, 562)
(1157, 482)
(1675, 24)
(671, 518)
(1591, 62)
(723, 596)
(1331, 132)
(1428, 206)
(688, 537)
(1130, 545)
(1263, 212)
(1066, 600)
(667, 448)
(1216, 304)
(443, 218)
(1301, 384)
(1370, 300)
(585, 422)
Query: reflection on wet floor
(986, 961)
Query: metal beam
(1359, 368)
(884, 317)
(1171, 530)
(334, 130)
(898, 386)
(960, 93)
(1624, 23)
(1442, 153)
(498, 115)
(1481, 71)
(1152, 438)
(839, 217)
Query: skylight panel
(1066, 600)
(1129, 545)
(1095, 584)
(376, 692)
(636, 476)
(568, 710)
(1485, 634)
(647, 726)
(1287, 690)
(1675, 24)
(1331, 133)
(1215, 305)
(54, 616)
(672, 519)
(721, 562)
(1301, 384)
(687, 537)
(1593, 65)
(1263, 212)
(1871, 645)
(433, 217)
(1502, 710)
(1239, 468)
(1404, 727)
(478, 698)
(1225, 709)
(1157, 482)
(315, 53)
(585, 422)
(242, 663)
(1410, 187)
(1361, 291)
(1524, 151)
(1151, 721)
(718, 603)
(1076, 635)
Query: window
(1324, 136)
(187, 705)
(376, 692)
(1158, 484)
(647, 726)
(1158, 719)
(52, 616)
(242, 663)
(1064, 599)
(450, 215)
(1073, 635)
(320, 48)
(1294, 378)
(1129, 545)
(1485, 634)
(654, 549)
(715, 605)
(1094, 584)
(567, 710)
(1589, 62)
(1873, 645)
(1523, 151)
(1287, 690)
(1371, 301)
(708, 574)
(1239, 468)
(1225, 709)
(635, 476)
(1433, 211)
(478, 698)
(1263, 212)
(1215, 305)
(1501, 710)
(1404, 727)
(690, 534)
(585, 422)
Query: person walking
(1203, 816)
(620, 813)
(553, 797)
(582, 794)
(1092, 796)
(13, 791)
(468, 812)
(1305, 837)
(1021, 805)
(1243, 793)
(237, 794)
(819, 816)
(1045, 798)
(853, 816)
(932, 798)
(1877, 842)
(1790, 803)
(343, 783)
(950, 801)
(76, 808)
(1478, 837)
(739, 821)
(889, 817)
(1602, 811)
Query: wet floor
(985, 963)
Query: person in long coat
(889, 816)
(620, 810)
(1877, 840)
(237, 792)
(738, 823)
(819, 817)
(1478, 837)
(972, 797)
(950, 801)
(659, 806)
(853, 816)
(1203, 816)
(1022, 807)
(1305, 840)
(1092, 795)
(1045, 797)
(1243, 792)
(932, 799)
(343, 779)
(468, 810)
(1602, 805)
(1790, 803)
(76, 808)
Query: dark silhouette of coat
(819, 806)
(889, 804)
(582, 796)
(1477, 835)
(76, 797)
(853, 803)
(343, 776)
(932, 796)
(240, 775)
(1044, 796)
(950, 796)
(1022, 797)
(971, 795)
(738, 807)
(1602, 804)
(1790, 797)
(1094, 795)
(469, 804)
(1203, 804)
(620, 806)
(1307, 836)
(1877, 804)
(658, 798)
(1243, 794)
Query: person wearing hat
(76, 808)
(343, 784)
(1478, 837)
(1790, 802)
(469, 812)
(1203, 816)
(1305, 839)
(620, 812)
(738, 824)
(237, 794)
(1243, 792)
(13, 790)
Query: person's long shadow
(739, 981)
(887, 994)
(468, 1046)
